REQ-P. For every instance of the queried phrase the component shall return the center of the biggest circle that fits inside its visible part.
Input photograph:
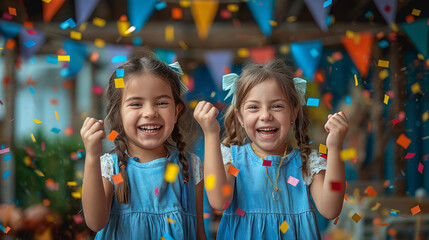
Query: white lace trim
(316, 164)
(197, 168)
(106, 162)
(226, 154)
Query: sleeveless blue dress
(253, 194)
(171, 214)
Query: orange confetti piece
(7, 229)
(226, 190)
(94, 57)
(176, 13)
(12, 11)
(112, 135)
(336, 220)
(10, 44)
(370, 191)
(117, 178)
(234, 171)
(415, 210)
(403, 141)
(392, 232)
(356, 217)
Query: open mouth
(267, 131)
(150, 128)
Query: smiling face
(148, 113)
(267, 117)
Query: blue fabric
(145, 217)
(252, 194)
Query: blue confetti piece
(55, 130)
(328, 20)
(120, 72)
(314, 53)
(7, 157)
(32, 60)
(52, 59)
(313, 102)
(119, 59)
(64, 25)
(64, 72)
(79, 154)
(368, 14)
(383, 43)
(68, 23)
(348, 100)
(29, 43)
(2, 228)
(327, 3)
(6, 174)
(168, 236)
(160, 5)
(2, 146)
(137, 41)
(394, 213)
(31, 89)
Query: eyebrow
(275, 100)
(140, 98)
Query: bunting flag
(139, 12)
(359, 48)
(263, 13)
(84, 8)
(30, 42)
(51, 8)
(417, 31)
(307, 56)
(167, 56)
(216, 62)
(204, 13)
(387, 8)
(10, 29)
(77, 53)
(262, 55)
(319, 12)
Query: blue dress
(253, 194)
(147, 214)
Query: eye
(162, 103)
(277, 106)
(252, 107)
(135, 104)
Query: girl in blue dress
(124, 193)
(263, 183)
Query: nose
(266, 115)
(150, 112)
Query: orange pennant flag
(204, 13)
(359, 48)
(51, 8)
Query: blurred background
(368, 58)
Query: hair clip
(176, 67)
(300, 86)
(228, 83)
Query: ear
(179, 108)
(238, 116)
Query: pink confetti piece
(395, 121)
(266, 163)
(156, 191)
(43, 146)
(240, 212)
(292, 181)
(420, 169)
(78, 218)
(4, 150)
(409, 155)
(31, 32)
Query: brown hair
(252, 75)
(139, 65)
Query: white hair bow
(176, 67)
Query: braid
(301, 128)
(178, 138)
(122, 189)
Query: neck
(281, 151)
(147, 155)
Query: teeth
(266, 129)
(150, 128)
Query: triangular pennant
(319, 12)
(263, 13)
(216, 61)
(139, 12)
(204, 13)
(262, 55)
(29, 44)
(84, 8)
(359, 48)
(51, 8)
(77, 53)
(10, 29)
(387, 8)
(307, 56)
(418, 33)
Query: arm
(330, 202)
(199, 191)
(97, 192)
(205, 114)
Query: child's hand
(92, 133)
(337, 127)
(205, 114)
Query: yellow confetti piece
(284, 227)
(65, 58)
(416, 12)
(38, 172)
(356, 217)
(75, 35)
(56, 116)
(322, 148)
(330, 59)
(291, 19)
(72, 184)
(284, 49)
(169, 33)
(37, 121)
(356, 80)
(348, 154)
(415, 88)
(83, 26)
(210, 182)
(185, 3)
(183, 45)
(243, 52)
(119, 83)
(232, 7)
(171, 172)
(425, 116)
(394, 27)
(377, 205)
(420, 56)
(382, 63)
(99, 22)
(32, 138)
(350, 34)
(123, 27)
(76, 195)
(273, 23)
(100, 43)
(427, 61)
(171, 220)
(383, 74)
(386, 99)
(47, 1)
(213, 94)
